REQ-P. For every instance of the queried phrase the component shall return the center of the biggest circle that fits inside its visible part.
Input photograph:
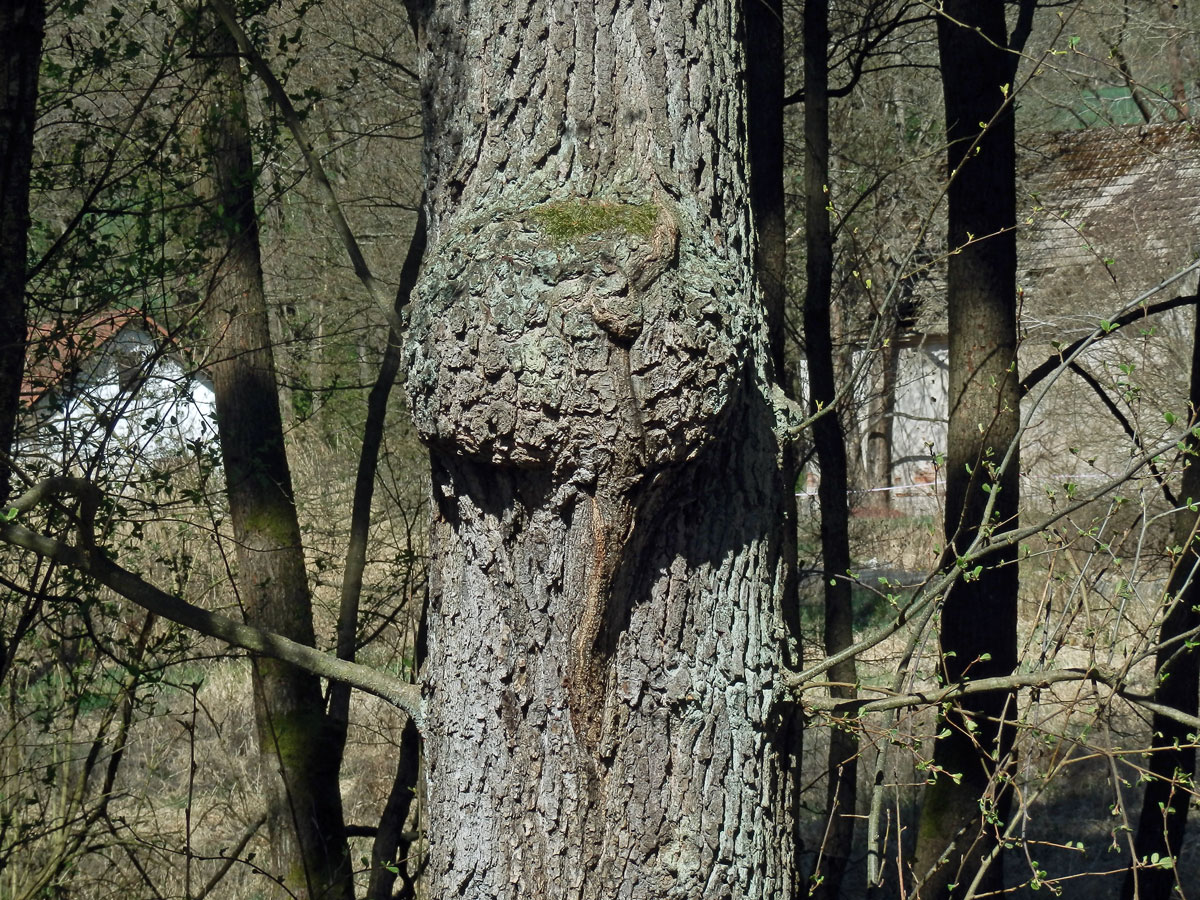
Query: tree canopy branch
(296, 126)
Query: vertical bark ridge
(599, 99)
(677, 795)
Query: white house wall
(918, 429)
(127, 407)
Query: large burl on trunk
(588, 365)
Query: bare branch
(1064, 356)
(1097, 675)
(91, 560)
(378, 292)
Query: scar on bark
(612, 527)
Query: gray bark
(587, 363)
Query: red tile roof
(56, 349)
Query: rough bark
(829, 441)
(588, 366)
(295, 736)
(979, 616)
(21, 31)
(1165, 805)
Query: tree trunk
(588, 364)
(764, 43)
(882, 424)
(296, 739)
(829, 441)
(1168, 794)
(979, 615)
(21, 31)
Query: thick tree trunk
(296, 739)
(829, 441)
(587, 363)
(979, 616)
(1168, 796)
(21, 31)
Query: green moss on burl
(570, 220)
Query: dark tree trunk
(21, 31)
(764, 107)
(764, 96)
(390, 849)
(979, 615)
(296, 738)
(588, 363)
(829, 441)
(1168, 794)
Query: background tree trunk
(979, 615)
(829, 441)
(21, 32)
(588, 365)
(764, 45)
(881, 418)
(296, 739)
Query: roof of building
(57, 349)
(1105, 214)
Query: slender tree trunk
(588, 364)
(1165, 804)
(296, 738)
(764, 102)
(830, 443)
(21, 32)
(386, 850)
(764, 106)
(979, 616)
(882, 423)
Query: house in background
(1104, 216)
(1109, 215)
(111, 392)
